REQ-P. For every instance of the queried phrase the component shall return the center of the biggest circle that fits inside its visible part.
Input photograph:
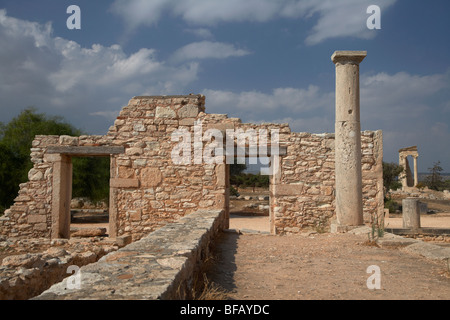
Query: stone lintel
(355, 57)
(90, 151)
(413, 149)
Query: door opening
(89, 205)
(249, 197)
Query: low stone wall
(162, 265)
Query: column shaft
(349, 210)
(416, 179)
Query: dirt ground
(315, 266)
(322, 267)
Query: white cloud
(344, 18)
(400, 98)
(60, 76)
(207, 50)
(334, 18)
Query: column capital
(353, 57)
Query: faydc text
(228, 309)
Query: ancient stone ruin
(169, 192)
(148, 190)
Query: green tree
(391, 172)
(16, 138)
(446, 185)
(434, 179)
(236, 169)
(9, 175)
(91, 178)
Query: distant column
(349, 208)
(416, 180)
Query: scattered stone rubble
(30, 266)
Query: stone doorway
(62, 186)
(250, 210)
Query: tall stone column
(349, 209)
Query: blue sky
(259, 60)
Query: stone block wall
(147, 190)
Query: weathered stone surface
(24, 260)
(124, 183)
(165, 112)
(348, 172)
(37, 219)
(411, 213)
(35, 175)
(151, 177)
(123, 240)
(188, 111)
(288, 189)
(68, 141)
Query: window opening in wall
(249, 197)
(89, 207)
